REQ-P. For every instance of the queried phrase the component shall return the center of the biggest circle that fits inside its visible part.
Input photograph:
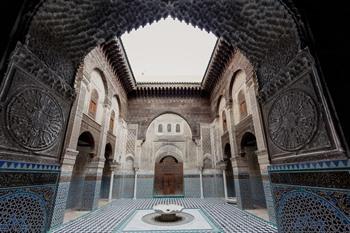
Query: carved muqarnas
(292, 120)
(34, 119)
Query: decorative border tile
(13, 165)
(321, 165)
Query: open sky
(169, 51)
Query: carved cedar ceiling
(62, 32)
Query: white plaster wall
(238, 85)
(115, 108)
(97, 84)
(180, 143)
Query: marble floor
(110, 217)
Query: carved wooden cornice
(218, 63)
(116, 56)
(168, 90)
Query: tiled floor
(261, 213)
(107, 218)
(70, 215)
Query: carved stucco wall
(143, 110)
(96, 60)
(296, 116)
(34, 103)
(180, 144)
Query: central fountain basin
(167, 213)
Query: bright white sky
(168, 51)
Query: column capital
(229, 104)
(114, 165)
(69, 157)
(221, 164)
(85, 80)
(107, 103)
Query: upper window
(160, 128)
(169, 128)
(178, 128)
(224, 121)
(93, 103)
(111, 121)
(242, 105)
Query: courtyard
(113, 217)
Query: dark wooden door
(168, 177)
(169, 184)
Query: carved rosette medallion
(34, 119)
(292, 120)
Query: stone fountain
(167, 213)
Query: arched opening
(107, 172)
(77, 185)
(111, 122)
(248, 151)
(168, 179)
(93, 104)
(229, 172)
(224, 122)
(242, 105)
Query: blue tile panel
(27, 196)
(60, 204)
(192, 186)
(213, 186)
(105, 183)
(269, 201)
(303, 206)
(145, 187)
(228, 217)
(257, 189)
(123, 187)
(243, 192)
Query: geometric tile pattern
(27, 196)
(22, 212)
(314, 214)
(60, 203)
(228, 217)
(312, 197)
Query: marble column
(113, 166)
(222, 165)
(201, 180)
(136, 169)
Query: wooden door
(168, 177)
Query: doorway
(229, 172)
(248, 148)
(168, 177)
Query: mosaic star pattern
(228, 217)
